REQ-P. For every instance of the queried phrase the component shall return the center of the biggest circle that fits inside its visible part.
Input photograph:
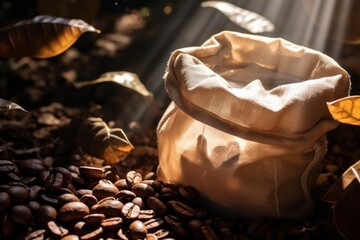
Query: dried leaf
(126, 79)
(347, 210)
(97, 139)
(336, 191)
(246, 19)
(6, 105)
(41, 37)
(346, 110)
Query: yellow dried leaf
(41, 37)
(346, 110)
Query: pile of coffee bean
(38, 201)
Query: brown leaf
(6, 105)
(97, 139)
(336, 191)
(41, 37)
(346, 110)
(125, 79)
(246, 19)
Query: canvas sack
(247, 123)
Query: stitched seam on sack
(276, 190)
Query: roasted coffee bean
(6, 167)
(93, 235)
(7, 227)
(150, 176)
(94, 219)
(120, 234)
(156, 185)
(181, 209)
(34, 206)
(74, 169)
(130, 211)
(106, 199)
(48, 199)
(125, 195)
(110, 173)
(4, 201)
(201, 213)
(109, 207)
(89, 199)
(142, 190)
(153, 224)
(36, 235)
(225, 234)
(34, 190)
(19, 195)
(188, 193)
(146, 214)
(137, 230)
(122, 184)
(162, 233)
(71, 237)
(113, 223)
(45, 214)
(91, 172)
(29, 181)
(138, 201)
(66, 198)
(21, 214)
(77, 179)
(208, 233)
(56, 231)
(157, 205)
(151, 236)
(104, 188)
(179, 231)
(79, 228)
(31, 167)
(133, 177)
(168, 194)
(72, 211)
(80, 192)
(54, 181)
(173, 220)
(67, 177)
(194, 228)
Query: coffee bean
(79, 228)
(45, 214)
(110, 208)
(6, 167)
(94, 219)
(19, 195)
(150, 237)
(225, 234)
(181, 209)
(47, 198)
(91, 172)
(36, 235)
(162, 233)
(21, 214)
(158, 206)
(71, 237)
(105, 199)
(223, 223)
(55, 230)
(125, 195)
(137, 230)
(80, 192)
(133, 177)
(105, 188)
(150, 176)
(130, 211)
(4, 201)
(89, 199)
(120, 234)
(34, 207)
(208, 233)
(146, 214)
(138, 201)
(194, 228)
(31, 167)
(66, 198)
(77, 179)
(7, 227)
(153, 224)
(73, 169)
(54, 181)
(188, 193)
(93, 235)
(113, 223)
(122, 184)
(72, 211)
(142, 190)
(173, 220)
(156, 185)
(34, 192)
(65, 172)
(179, 231)
(168, 194)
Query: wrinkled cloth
(247, 123)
